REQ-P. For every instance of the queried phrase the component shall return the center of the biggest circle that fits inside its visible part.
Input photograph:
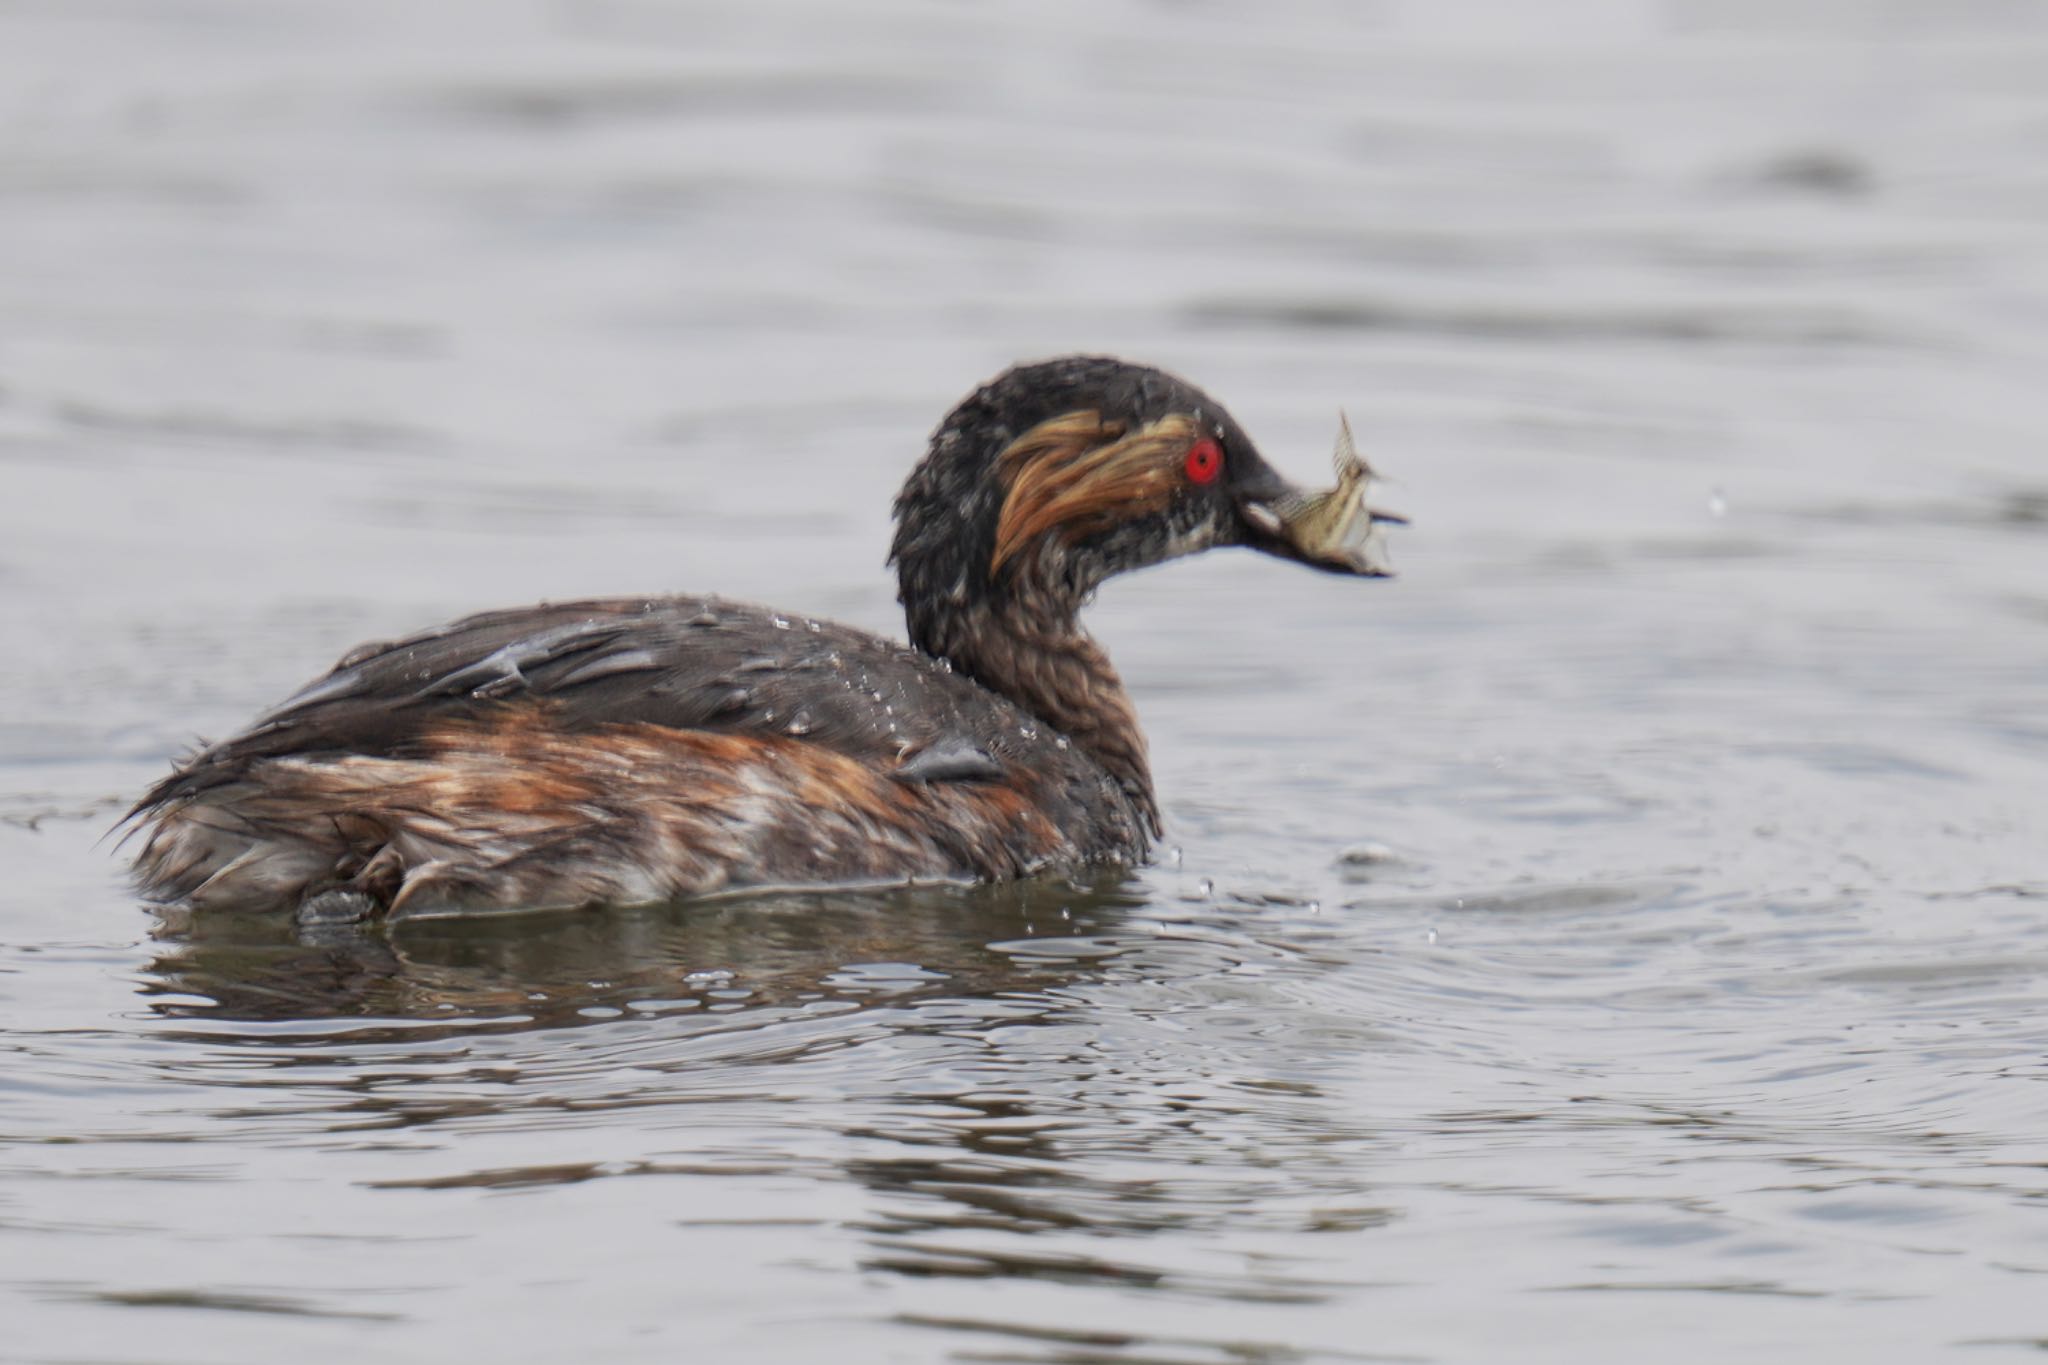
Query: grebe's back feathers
(682, 662)
(832, 706)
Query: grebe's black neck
(1037, 655)
(1035, 489)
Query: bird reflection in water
(552, 969)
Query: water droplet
(812, 626)
(1432, 933)
(1315, 907)
(1027, 731)
(799, 724)
(1717, 503)
(1066, 912)
(779, 622)
(1061, 743)
(1204, 887)
(1176, 855)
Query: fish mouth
(1335, 531)
(1361, 552)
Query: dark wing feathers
(682, 662)
(476, 654)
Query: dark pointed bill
(1333, 529)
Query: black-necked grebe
(644, 750)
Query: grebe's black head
(1054, 476)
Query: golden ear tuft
(1075, 475)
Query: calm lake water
(1623, 936)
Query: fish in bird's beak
(1333, 530)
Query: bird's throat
(1053, 669)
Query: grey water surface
(1624, 936)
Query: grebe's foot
(342, 905)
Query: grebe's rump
(650, 749)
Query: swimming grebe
(641, 750)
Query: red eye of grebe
(1205, 461)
